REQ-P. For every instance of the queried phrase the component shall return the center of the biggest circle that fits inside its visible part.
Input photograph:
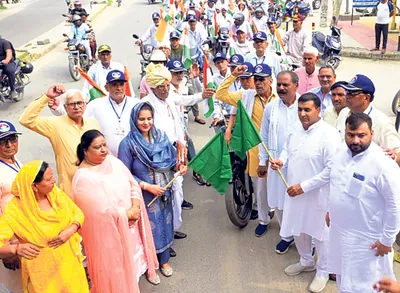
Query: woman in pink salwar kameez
(116, 235)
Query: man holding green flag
(254, 102)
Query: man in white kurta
(278, 120)
(308, 153)
(364, 210)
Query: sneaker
(199, 180)
(186, 205)
(283, 246)
(297, 268)
(318, 284)
(261, 230)
(375, 49)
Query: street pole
(393, 25)
(347, 7)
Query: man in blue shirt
(79, 31)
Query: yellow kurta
(64, 136)
(54, 269)
(232, 98)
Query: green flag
(213, 163)
(245, 135)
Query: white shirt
(272, 60)
(296, 43)
(8, 172)
(224, 21)
(245, 48)
(385, 135)
(113, 119)
(364, 206)
(309, 155)
(383, 13)
(150, 34)
(276, 127)
(261, 23)
(226, 108)
(99, 74)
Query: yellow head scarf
(157, 74)
(24, 215)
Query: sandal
(200, 121)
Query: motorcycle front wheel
(332, 61)
(73, 69)
(20, 89)
(395, 103)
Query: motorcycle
(276, 10)
(21, 80)
(77, 58)
(222, 43)
(145, 52)
(329, 46)
(297, 6)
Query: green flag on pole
(213, 163)
(245, 135)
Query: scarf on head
(157, 74)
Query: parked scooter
(145, 52)
(296, 6)
(329, 46)
(21, 80)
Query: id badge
(119, 131)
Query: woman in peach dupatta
(117, 235)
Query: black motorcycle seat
(320, 37)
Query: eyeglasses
(353, 94)
(74, 104)
(11, 138)
(259, 78)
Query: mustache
(282, 92)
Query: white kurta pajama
(309, 155)
(276, 125)
(364, 206)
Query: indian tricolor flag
(214, 27)
(128, 85)
(232, 44)
(162, 27)
(94, 90)
(208, 104)
(253, 24)
(187, 57)
(231, 9)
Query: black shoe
(254, 215)
(199, 180)
(271, 214)
(172, 252)
(179, 235)
(208, 184)
(186, 205)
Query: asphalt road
(32, 19)
(216, 256)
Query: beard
(358, 148)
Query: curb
(362, 53)
(27, 56)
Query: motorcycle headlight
(72, 48)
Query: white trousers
(304, 248)
(260, 189)
(86, 44)
(177, 193)
(279, 215)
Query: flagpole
(166, 186)
(279, 171)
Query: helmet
(259, 9)
(77, 4)
(158, 56)
(238, 19)
(26, 67)
(192, 5)
(76, 17)
(223, 33)
(155, 15)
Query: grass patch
(109, 2)
(3, 7)
(23, 56)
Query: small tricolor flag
(162, 27)
(94, 90)
(208, 82)
(187, 57)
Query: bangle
(144, 186)
(16, 249)
(77, 225)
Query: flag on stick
(94, 90)
(208, 82)
(187, 57)
(213, 163)
(128, 84)
(231, 9)
(162, 27)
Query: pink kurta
(307, 81)
(118, 253)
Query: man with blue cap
(234, 61)
(176, 47)
(113, 112)
(262, 55)
(360, 92)
(255, 101)
(150, 33)
(10, 278)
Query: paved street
(216, 257)
(32, 19)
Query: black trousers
(384, 30)
(9, 70)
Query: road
(216, 256)
(32, 19)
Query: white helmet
(158, 56)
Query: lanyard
(370, 110)
(236, 86)
(11, 166)
(261, 61)
(123, 108)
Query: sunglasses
(11, 138)
(353, 94)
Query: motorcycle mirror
(65, 15)
(65, 35)
(135, 36)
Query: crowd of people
(121, 160)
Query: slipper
(200, 121)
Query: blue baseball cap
(360, 83)
(115, 75)
(175, 65)
(260, 36)
(249, 70)
(191, 17)
(219, 56)
(174, 35)
(262, 70)
(236, 59)
(7, 129)
(155, 15)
